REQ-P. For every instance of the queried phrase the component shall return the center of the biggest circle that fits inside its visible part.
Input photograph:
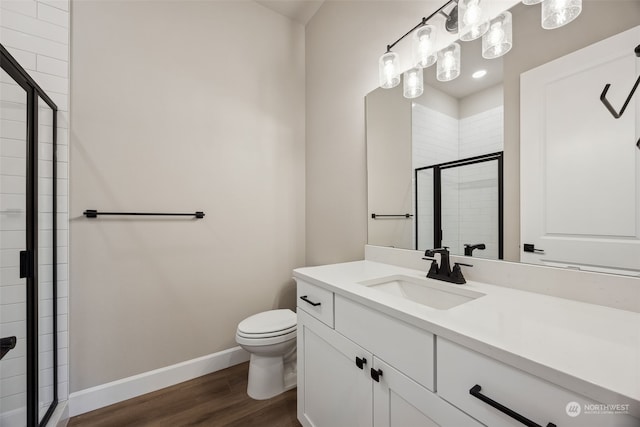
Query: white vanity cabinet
(370, 360)
(344, 382)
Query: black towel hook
(605, 101)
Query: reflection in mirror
(466, 118)
(455, 134)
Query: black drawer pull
(360, 362)
(475, 392)
(307, 300)
(376, 374)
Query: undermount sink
(423, 291)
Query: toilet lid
(268, 322)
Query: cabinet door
(332, 390)
(399, 401)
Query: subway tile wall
(481, 133)
(469, 194)
(36, 33)
(434, 140)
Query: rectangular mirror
(418, 150)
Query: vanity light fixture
(499, 39)
(389, 73)
(424, 54)
(424, 46)
(448, 63)
(556, 13)
(471, 20)
(413, 85)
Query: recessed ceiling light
(479, 74)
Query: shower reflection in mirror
(457, 161)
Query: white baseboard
(107, 394)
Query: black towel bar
(375, 216)
(92, 213)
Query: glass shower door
(471, 209)
(459, 205)
(13, 237)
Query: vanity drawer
(403, 346)
(460, 369)
(316, 301)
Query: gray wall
(181, 106)
(389, 169)
(343, 42)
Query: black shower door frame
(437, 195)
(29, 262)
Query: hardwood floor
(217, 399)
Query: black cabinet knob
(376, 374)
(360, 362)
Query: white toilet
(270, 337)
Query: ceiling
(471, 61)
(300, 11)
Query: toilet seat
(249, 340)
(266, 334)
(268, 323)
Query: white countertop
(590, 349)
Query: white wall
(36, 33)
(181, 106)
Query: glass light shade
(448, 63)
(472, 22)
(556, 13)
(530, 2)
(388, 70)
(413, 85)
(424, 41)
(499, 39)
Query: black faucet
(443, 271)
(468, 249)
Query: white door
(401, 402)
(579, 166)
(333, 391)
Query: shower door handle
(26, 264)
